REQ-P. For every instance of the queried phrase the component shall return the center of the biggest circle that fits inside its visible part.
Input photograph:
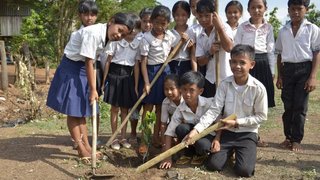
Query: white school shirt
(234, 31)
(184, 52)
(167, 109)
(261, 38)
(301, 47)
(87, 42)
(203, 46)
(157, 50)
(249, 104)
(123, 52)
(196, 30)
(183, 114)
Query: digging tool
(217, 39)
(182, 145)
(93, 174)
(169, 58)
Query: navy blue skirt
(119, 87)
(180, 67)
(156, 95)
(69, 90)
(262, 72)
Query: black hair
(147, 11)
(136, 20)
(206, 6)
(183, 5)
(192, 77)
(162, 11)
(88, 6)
(124, 19)
(240, 49)
(264, 2)
(172, 77)
(234, 3)
(305, 3)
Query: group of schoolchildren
(186, 97)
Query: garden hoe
(93, 174)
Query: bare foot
(286, 144)
(262, 143)
(296, 147)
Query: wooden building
(11, 14)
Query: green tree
(274, 21)
(313, 15)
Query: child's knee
(243, 170)
(213, 165)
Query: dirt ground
(30, 151)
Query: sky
(281, 4)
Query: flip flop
(198, 160)
(85, 160)
(183, 160)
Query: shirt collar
(304, 22)
(201, 103)
(250, 81)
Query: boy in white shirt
(186, 117)
(207, 46)
(245, 96)
(297, 46)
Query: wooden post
(47, 66)
(4, 68)
(171, 55)
(217, 39)
(182, 145)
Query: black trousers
(200, 147)
(295, 99)
(244, 144)
(209, 89)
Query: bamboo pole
(217, 39)
(182, 145)
(169, 58)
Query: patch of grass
(310, 174)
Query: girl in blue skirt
(73, 88)
(155, 48)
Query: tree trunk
(47, 65)
(4, 68)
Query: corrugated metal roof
(14, 9)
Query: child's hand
(215, 47)
(93, 96)
(215, 146)
(279, 83)
(190, 44)
(184, 36)
(136, 91)
(166, 164)
(229, 124)
(147, 88)
(217, 21)
(189, 136)
(310, 84)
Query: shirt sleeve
(164, 112)
(315, 38)
(238, 36)
(199, 48)
(270, 50)
(214, 111)
(89, 45)
(144, 47)
(175, 121)
(260, 110)
(278, 44)
(111, 47)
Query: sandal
(115, 144)
(85, 160)
(183, 160)
(198, 160)
(286, 144)
(125, 143)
